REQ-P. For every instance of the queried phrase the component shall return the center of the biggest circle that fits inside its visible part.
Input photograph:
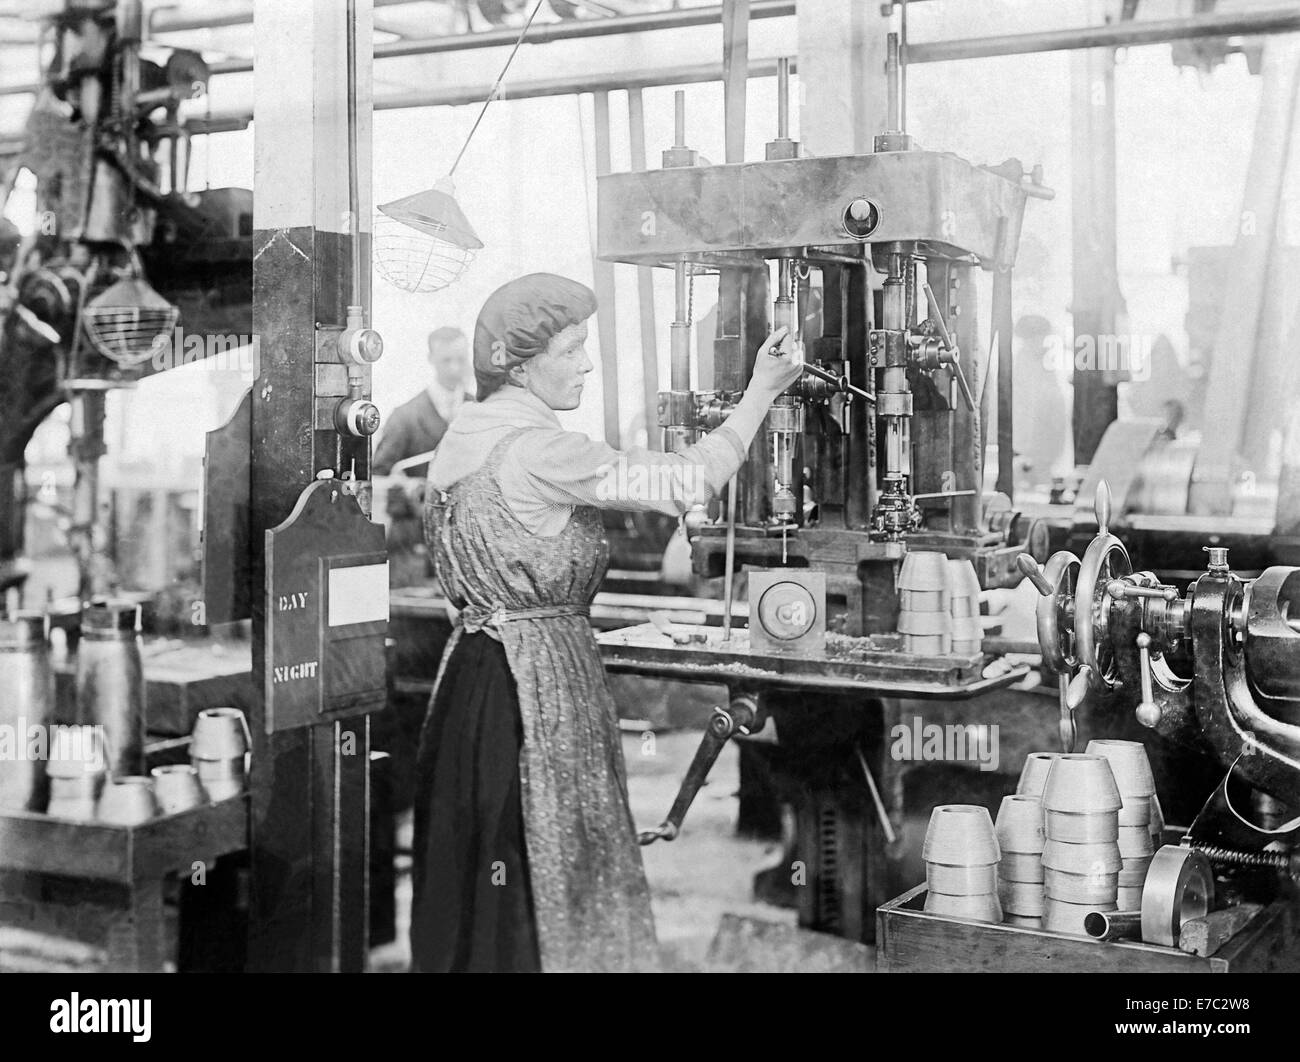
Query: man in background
(419, 425)
(416, 427)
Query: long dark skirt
(471, 908)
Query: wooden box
(910, 941)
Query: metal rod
(891, 82)
(999, 645)
(604, 283)
(783, 98)
(354, 208)
(729, 568)
(543, 33)
(679, 119)
(680, 332)
(1002, 316)
(1115, 35)
(902, 66)
(462, 95)
(163, 20)
(885, 824)
(1125, 34)
(548, 32)
(644, 282)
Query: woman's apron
(534, 592)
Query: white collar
(479, 425)
(518, 406)
(441, 394)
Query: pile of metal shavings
(848, 647)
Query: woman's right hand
(774, 371)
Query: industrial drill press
(877, 452)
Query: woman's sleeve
(568, 468)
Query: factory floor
(700, 883)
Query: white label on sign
(293, 672)
(358, 594)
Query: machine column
(309, 786)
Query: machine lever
(1033, 571)
(949, 355)
(1148, 712)
(948, 344)
(1101, 508)
(1119, 590)
(46, 332)
(1069, 732)
(739, 716)
(1077, 691)
(840, 383)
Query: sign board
(326, 612)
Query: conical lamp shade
(435, 213)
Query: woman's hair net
(520, 318)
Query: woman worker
(525, 854)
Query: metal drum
(26, 702)
(110, 682)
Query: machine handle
(1033, 571)
(1077, 691)
(841, 383)
(1037, 191)
(1069, 731)
(942, 494)
(46, 332)
(948, 344)
(1118, 589)
(738, 716)
(1148, 712)
(1101, 508)
(949, 355)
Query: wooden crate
(910, 941)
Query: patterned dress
(588, 899)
